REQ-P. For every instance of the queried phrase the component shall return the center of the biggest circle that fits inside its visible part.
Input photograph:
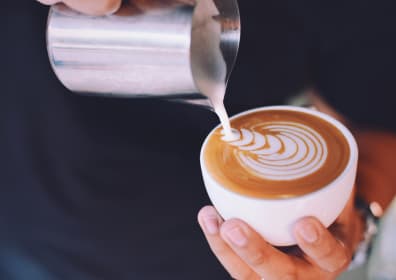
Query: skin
(105, 7)
(321, 253)
(91, 7)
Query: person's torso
(102, 188)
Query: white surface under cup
(274, 218)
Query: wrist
(359, 226)
(366, 221)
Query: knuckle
(291, 274)
(334, 258)
(344, 258)
(326, 251)
(107, 7)
(112, 5)
(246, 275)
(342, 261)
(256, 258)
(219, 249)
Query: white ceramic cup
(274, 218)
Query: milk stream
(218, 106)
(215, 91)
(207, 63)
(225, 122)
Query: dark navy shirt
(101, 188)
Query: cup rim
(338, 125)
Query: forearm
(376, 180)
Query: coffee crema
(277, 154)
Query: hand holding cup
(284, 181)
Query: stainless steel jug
(168, 52)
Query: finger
(265, 260)
(210, 222)
(322, 248)
(94, 7)
(49, 2)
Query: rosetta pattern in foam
(279, 150)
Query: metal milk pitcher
(162, 52)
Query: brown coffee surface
(277, 154)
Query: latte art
(279, 150)
(277, 165)
(276, 154)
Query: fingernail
(308, 232)
(211, 224)
(237, 236)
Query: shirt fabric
(106, 188)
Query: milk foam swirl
(279, 150)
